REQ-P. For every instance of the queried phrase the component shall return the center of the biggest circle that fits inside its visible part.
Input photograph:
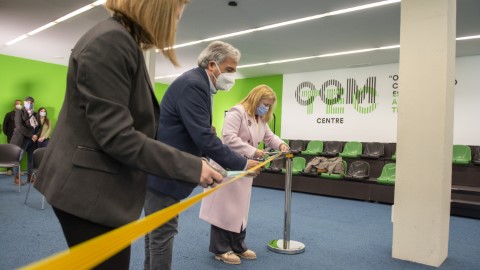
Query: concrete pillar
(150, 60)
(421, 213)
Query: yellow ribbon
(96, 250)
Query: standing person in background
(244, 127)
(186, 124)
(44, 133)
(94, 171)
(9, 124)
(25, 135)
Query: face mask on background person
(18, 107)
(225, 81)
(261, 110)
(43, 114)
(28, 105)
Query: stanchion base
(295, 247)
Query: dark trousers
(222, 241)
(28, 146)
(78, 230)
(8, 141)
(42, 144)
(159, 242)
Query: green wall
(22, 77)
(160, 89)
(46, 83)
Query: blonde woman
(245, 126)
(94, 171)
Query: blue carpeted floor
(337, 233)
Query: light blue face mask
(262, 110)
(28, 105)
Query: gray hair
(217, 51)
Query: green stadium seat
(314, 148)
(462, 154)
(387, 176)
(298, 164)
(352, 150)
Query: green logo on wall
(334, 96)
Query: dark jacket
(9, 125)
(96, 164)
(23, 129)
(186, 124)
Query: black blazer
(96, 163)
(23, 129)
(9, 124)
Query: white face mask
(43, 114)
(27, 105)
(18, 107)
(225, 81)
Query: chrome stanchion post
(288, 204)
(285, 245)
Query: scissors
(226, 173)
(236, 173)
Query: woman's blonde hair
(151, 22)
(252, 101)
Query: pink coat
(228, 207)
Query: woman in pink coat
(245, 126)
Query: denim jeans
(43, 144)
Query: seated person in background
(44, 128)
(245, 126)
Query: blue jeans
(28, 146)
(42, 144)
(159, 242)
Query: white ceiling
(370, 28)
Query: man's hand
(250, 164)
(209, 177)
(34, 138)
